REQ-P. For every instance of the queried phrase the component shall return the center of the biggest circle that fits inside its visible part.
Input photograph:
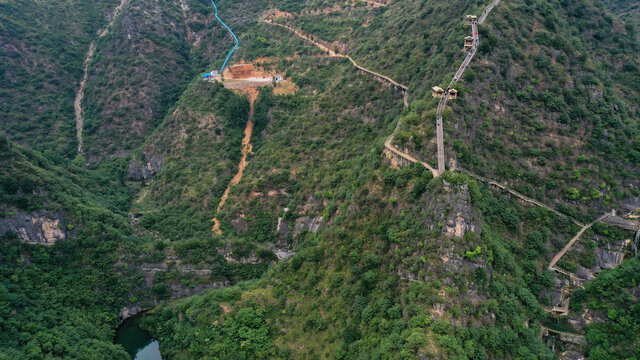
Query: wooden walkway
(332, 53)
(518, 195)
(456, 77)
(405, 89)
(566, 248)
(443, 100)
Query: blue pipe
(232, 34)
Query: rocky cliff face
(451, 209)
(309, 223)
(40, 227)
(198, 279)
(139, 171)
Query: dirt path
(441, 104)
(185, 7)
(374, 3)
(77, 104)
(332, 53)
(246, 149)
(405, 90)
(564, 250)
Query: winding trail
(332, 53)
(246, 149)
(77, 104)
(405, 89)
(230, 31)
(566, 248)
(443, 103)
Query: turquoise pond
(136, 341)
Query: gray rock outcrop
(41, 227)
(139, 171)
(451, 209)
(606, 259)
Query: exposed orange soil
(242, 70)
(246, 149)
(247, 78)
(286, 87)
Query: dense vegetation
(388, 263)
(613, 296)
(544, 73)
(62, 301)
(40, 72)
(345, 294)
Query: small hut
(468, 42)
(470, 19)
(438, 92)
(453, 94)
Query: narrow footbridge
(385, 78)
(405, 156)
(486, 12)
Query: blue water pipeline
(232, 34)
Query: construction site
(247, 75)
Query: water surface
(136, 341)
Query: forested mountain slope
(143, 65)
(549, 106)
(43, 44)
(625, 9)
(62, 300)
(344, 273)
(327, 247)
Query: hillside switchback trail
(333, 53)
(442, 104)
(246, 149)
(405, 89)
(88, 58)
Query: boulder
(606, 259)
